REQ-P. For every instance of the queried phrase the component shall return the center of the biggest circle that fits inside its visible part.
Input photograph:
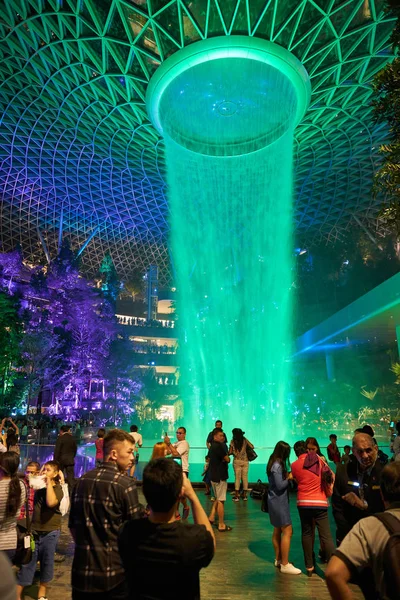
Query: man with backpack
(369, 555)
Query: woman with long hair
(278, 506)
(159, 450)
(46, 523)
(12, 497)
(313, 446)
(238, 447)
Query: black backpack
(391, 555)
(258, 490)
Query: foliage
(395, 368)
(370, 395)
(62, 333)
(10, 339)
(110, 283)
(119, 372)
(386, 105)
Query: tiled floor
(242, 568)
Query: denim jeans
(311, 518)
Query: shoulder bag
(25, 539)
(250, 453)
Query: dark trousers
(311, 518)
(118, 593)
(69, 475)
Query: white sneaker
(277, 563)
(290, 569)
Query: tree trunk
(115, 399)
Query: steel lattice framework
(78, 155)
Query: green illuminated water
(231, 230)
(231, 240)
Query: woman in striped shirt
(12, 497)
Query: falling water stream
(228, 126)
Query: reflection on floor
(242, 569)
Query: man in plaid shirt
(101, 501)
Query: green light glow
(228, 125)
(228, 76)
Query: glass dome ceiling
(79, 156)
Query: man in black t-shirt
(218, 470)
(160, 553)
(210, 437)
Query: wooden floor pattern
(242, 568)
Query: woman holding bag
(315, 484)
(238, 448)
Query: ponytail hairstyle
(9, 462)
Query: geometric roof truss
(79, 157)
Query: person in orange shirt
(312, 503)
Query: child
(206, 476)
(346, 456)
(46, 524)
(99, 447)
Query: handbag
(264, 501)
(250, 453)
(25, 539)
(258, 490)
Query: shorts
(45, 547)
(219, 490)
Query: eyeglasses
(179, 433)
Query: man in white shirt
(138, 441)
(180, 449)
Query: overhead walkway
(373, 317)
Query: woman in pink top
(99, 447)
(312, 503)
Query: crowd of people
(126, 550)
